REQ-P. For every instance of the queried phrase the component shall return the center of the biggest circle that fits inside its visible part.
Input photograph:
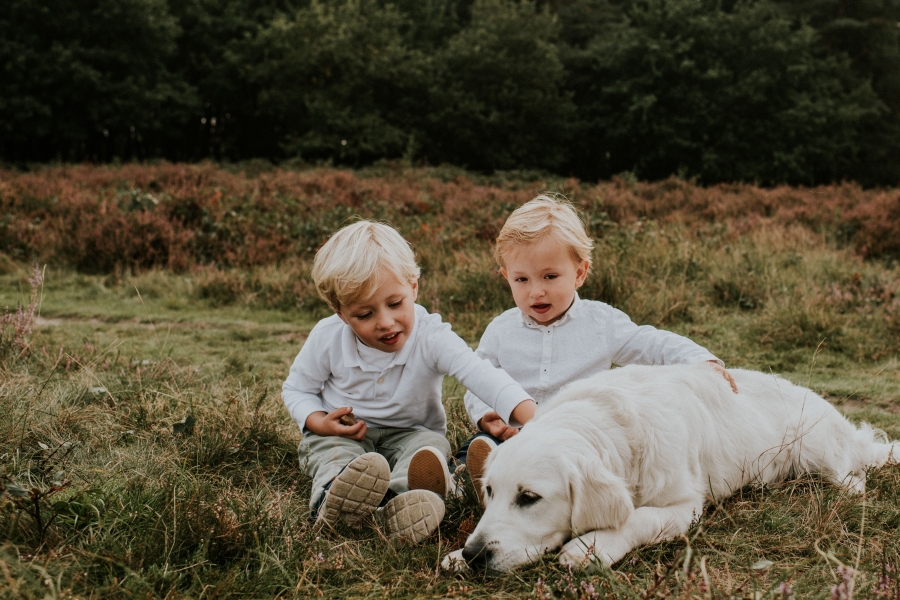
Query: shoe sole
(413, 516)
(428, 471)
(356, 492)
(479, 450)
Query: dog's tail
(870, 448)
(893, 454)
(883, 451)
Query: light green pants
(323, 457)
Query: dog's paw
(583, 554)
(454, 562)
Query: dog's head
(543, 487)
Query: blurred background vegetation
(764, 91)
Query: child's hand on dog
(492, 424)
(333, 423)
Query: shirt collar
(572, 313)
(351, 353)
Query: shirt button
(381, 379)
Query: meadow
(153, 312)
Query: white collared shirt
(329, 373)
(590, 337)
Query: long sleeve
(454, 357)
(488, 350)
(302, 390)
(644, 344)
(590, 338)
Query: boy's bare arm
(325, 424)
(523, 412)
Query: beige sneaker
(413, 515)
(428, 471)
(356, 492)
(476, 457)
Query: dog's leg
(646, 525)
(454, 562)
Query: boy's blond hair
(545, 216)
(352, 263)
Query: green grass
(128, 508)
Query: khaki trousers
(324, 457)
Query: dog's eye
(526, 498)
(489, 491)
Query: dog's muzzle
(477, 555)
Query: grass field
(145, 451)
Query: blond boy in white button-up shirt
(382, 358)
(553, 337)
(589, 337)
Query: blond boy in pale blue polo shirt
(381, 358)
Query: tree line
(765, 91)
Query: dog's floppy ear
(600, 499)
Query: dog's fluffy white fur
(630, 456)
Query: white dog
(630, 456)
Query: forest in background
(761, 91)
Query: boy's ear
(503, 272)
(415, 288)
(581, 272)
(338, 313)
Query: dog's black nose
(477, 555)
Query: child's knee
(411, 442)
(440, 442)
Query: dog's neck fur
(576, 425)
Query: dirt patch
(60, 321)
(851, 405)
(132, 322)
(293, 337)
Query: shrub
(179, 216)
(16, 327)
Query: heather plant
(179, 216)
(16, 327)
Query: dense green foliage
(767, 91)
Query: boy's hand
(321, 423)
(725, 374)
(492, 424)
